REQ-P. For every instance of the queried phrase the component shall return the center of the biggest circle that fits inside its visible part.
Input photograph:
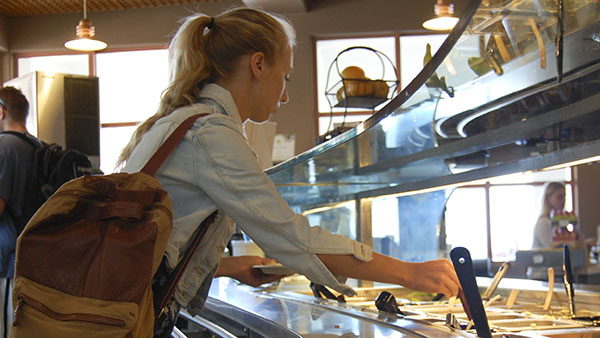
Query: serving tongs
(461, 258)
(320, 291)
(386, 302)
(497, 278)
(568, 279)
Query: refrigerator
(63, 109)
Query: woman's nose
(284, 97)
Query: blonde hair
(205, 49)
(549, 189)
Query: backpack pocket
(40, 311)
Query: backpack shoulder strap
(167, 147)
(23, 137)
(163, 295)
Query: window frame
(92, 70)
(91, 66)
(487, 185)
(396, 35)
(316, 113)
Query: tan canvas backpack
(85, 261)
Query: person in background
(553, 200)
(235, 67)
(16, 162)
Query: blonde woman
(235, 67)
(553, 200)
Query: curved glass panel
(514, 87)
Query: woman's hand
(241, 269)
(436, 276)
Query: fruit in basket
(340, 94)
(356, 83)
(353, 72)
(380, 88)
(362, 87)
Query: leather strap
(163, 297)
(167, 147)
(109, 188)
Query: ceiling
(13, 8)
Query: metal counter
(276, 312)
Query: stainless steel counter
(292, 311)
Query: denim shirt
(214, 168)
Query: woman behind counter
(553, 200)
(235, 67)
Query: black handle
(568, 278)
(387, 302)
(461, 258)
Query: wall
(587, 196)
(152, 27)
(3, 48)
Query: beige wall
(587, 197)
(151, 27)
(3, 48)
(3, 33)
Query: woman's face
(273, 91)
(557, 199)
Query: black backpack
(52, 167)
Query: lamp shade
(85, 44)
(444, 20)
(442, 23)
(85, 36)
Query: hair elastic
(211, 24)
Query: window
(412, 49)
(131, 84)
(466, 214)
(328, 76)
(511, 203)
(77, 64)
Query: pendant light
(85, 33)
(444, 19)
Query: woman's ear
(257, 64)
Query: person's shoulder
(17, 144)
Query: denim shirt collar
(222, 97)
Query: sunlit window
(376, 66)
(131, 84)
(515, 203)
(465, 221)
(68, 64)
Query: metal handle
(461, 258)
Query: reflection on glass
(498, 102)
(408, 227)
(412, 46)
(339, 219)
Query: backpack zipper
(82, 317)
